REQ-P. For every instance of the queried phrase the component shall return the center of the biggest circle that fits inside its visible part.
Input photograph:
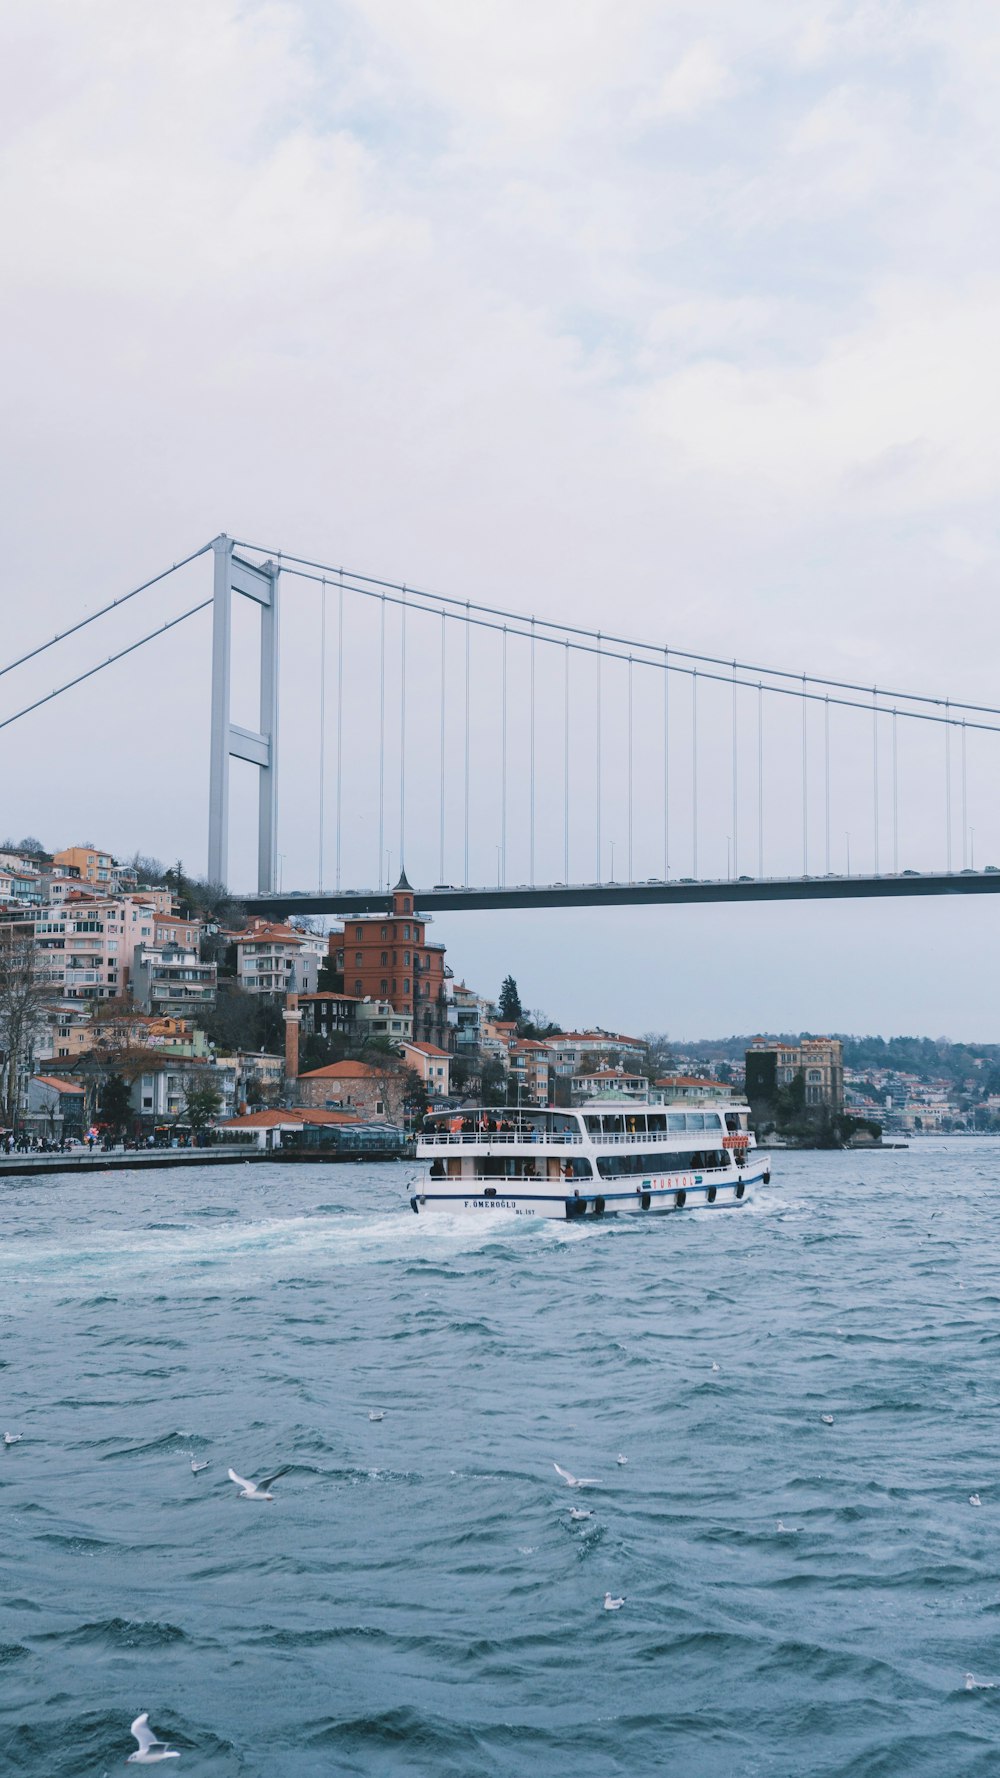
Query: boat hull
(652, 1198)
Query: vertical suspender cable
(340, 713)
(760, 779)
(381, 741)
(805, 781)
(736, 801)
(826, 775)
(629, 849)
(442, 738)
(468, 681)
(402, 735)
(965, 804)
(531, 756)
(947, 784)
(666, 765)
(875, 768)
(694, 773)
(895, 798)
(503, 757)
(322, 738)
(566, 765)
(600, 874)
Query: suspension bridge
(504, 759)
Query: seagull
(979, 1685)
(827, 1419)
(716, 1367)
(375, 1414)
(622, 1459)
(151, 1751)
(838, 1330)
(12, 1438)
(572, 1481)
(580, 1512)
(974, 1500)
(611, 1604)
(257, 1490)
(782, 1527)
(196, 1467)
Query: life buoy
(413, 1206)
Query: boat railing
(507, 1138)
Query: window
(406, 962)
(383, 986)
(383, 932)
(359, 957)
(385, 958)
(406, 984)
(359, 931)
(357, 989)
(379, 1107)
(406, 932)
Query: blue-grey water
(416, 1599)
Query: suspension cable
(370, 580)
(468, 638)
(694, 773)
(112, 658)
(793, 690)
(340, 716)
(322, 739)
(875, 767)
(736, 805)
(805, 782)
(402, 739)
(531, 757)
(826, 778)
(666, 768)
(565, 765)
(442, 749)
(94, 615)
(599, 876)
(381, 743)
(631, 877)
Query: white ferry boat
(604, 1158)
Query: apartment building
(273, 958)
(169, 980)
(87, 863)
(571, 1051)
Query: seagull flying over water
(572, 1481)
(12, 1438)
(979, 1685)
(611, 1604)
(150, 1751)
(257, 1490)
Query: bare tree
(25, 997)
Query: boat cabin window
(613, 1166)
(737, 1120)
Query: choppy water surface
(417, 1599)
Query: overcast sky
(677, 315)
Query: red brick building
(389, 957)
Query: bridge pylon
(258, 746)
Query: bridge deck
(585, 895)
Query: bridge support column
(228, 741)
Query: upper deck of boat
(622, 1123)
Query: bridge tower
(229, 741)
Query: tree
(510, 1000)
(24, 999)
(202, 1101)
(115, 1103)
